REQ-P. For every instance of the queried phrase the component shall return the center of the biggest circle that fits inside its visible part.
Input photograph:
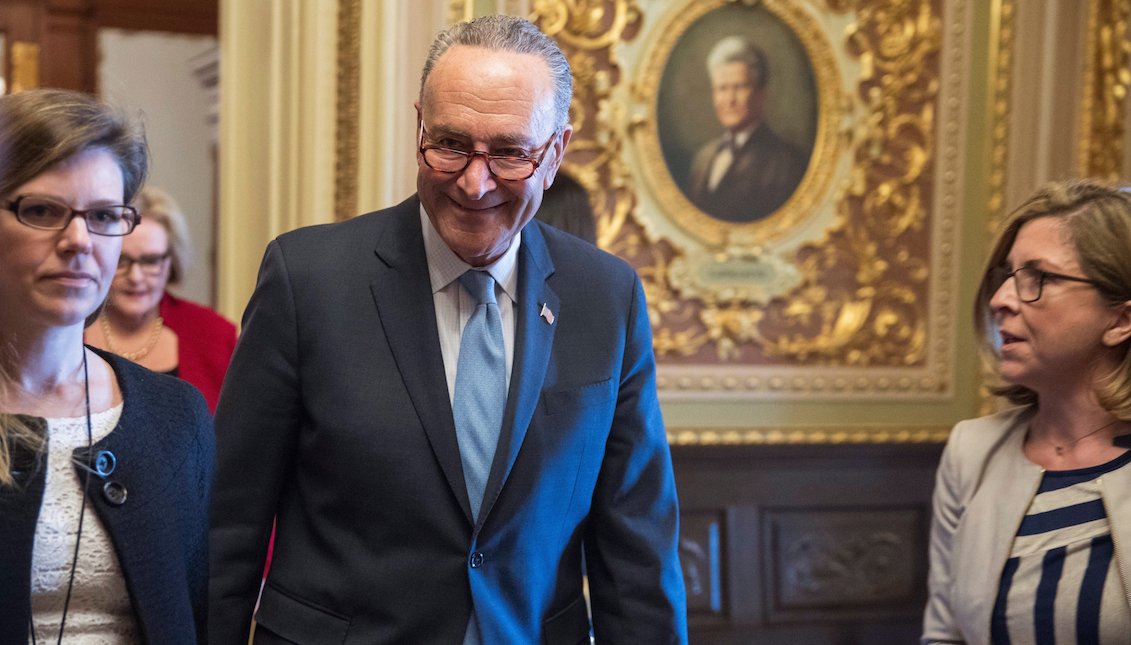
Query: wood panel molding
(180, 16)
(804, 544)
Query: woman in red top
(144, 323)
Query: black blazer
(163, 446)
(335, 416)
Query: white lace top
(100, 610)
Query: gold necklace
(158, 325)
(1060, 450)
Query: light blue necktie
(481, 395)
(481, 388)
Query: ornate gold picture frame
(802, 102)
(847, 289)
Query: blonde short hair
(158, 206)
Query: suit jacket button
(476, 560)
(105, 463)
(114, 493)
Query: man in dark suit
(355, 409)
(749, 171)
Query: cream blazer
(983, 487)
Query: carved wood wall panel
(805, 544)
(823, 562)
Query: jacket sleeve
(631, 544)
(257, 426)
(948, 506)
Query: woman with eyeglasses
(105, 466)
(1031, 534)
(145, 323)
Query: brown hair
(1096, 217)
(38, 130)
(41, 128)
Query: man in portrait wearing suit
(442, 403)
(748, 172)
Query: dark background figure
(443, 402)
(566, 207)
(105, 466)
(748, 172)
(1031, 505)
(145, 323)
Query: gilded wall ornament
(1107, 76)
(846, 286)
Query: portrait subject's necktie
(724, 157)
(481, 388)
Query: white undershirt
(99, 611)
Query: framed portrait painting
(780, 174)
(736, 113)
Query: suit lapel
(997, 520)
(402, 293)
(1118, 506)
(534, 337)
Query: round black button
(114, 493)
(105, 463)
(476, 560)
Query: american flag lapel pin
(546, 314)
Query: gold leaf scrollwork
(587, 30)
(586, 24)
(880, 317)
(346, 154)
(1106, 80)
(862, 288)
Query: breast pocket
(579, 398)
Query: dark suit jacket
(765, 172)
(163, 444)
(335, 415)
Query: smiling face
(136, 292)
(498, 102)
(1066, 338)
(58, 278)
(738, 99)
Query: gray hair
(736, 49)
(510, 34)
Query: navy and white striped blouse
(1061, 584)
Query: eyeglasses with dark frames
(47, 214)
(505, 167)
(1029, 282)
(152, 264)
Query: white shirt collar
(743, 135)
(444, 266)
